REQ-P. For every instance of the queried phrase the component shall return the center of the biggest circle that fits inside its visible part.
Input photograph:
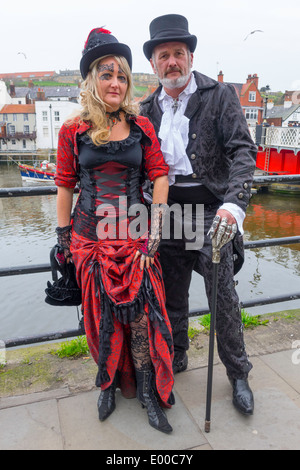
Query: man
(206, 143)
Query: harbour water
(27, 233)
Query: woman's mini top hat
(169, 28)
(101, 42)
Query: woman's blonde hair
(94, 109)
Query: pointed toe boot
(148, 399)
(106, 402)
(242, 396)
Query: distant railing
(277, 137)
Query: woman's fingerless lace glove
(151, 244)
(64, 239)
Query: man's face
(172, 62)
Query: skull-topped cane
(220, 233)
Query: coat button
(193, 156)
(194, 136)
(245, 185)
(194, 175)
(241, 195)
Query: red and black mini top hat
(101, 42)
(169, 28)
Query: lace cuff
(64, 238)
(158, 212)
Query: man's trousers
(178, 263)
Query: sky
(44, 36)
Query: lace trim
(113, 147)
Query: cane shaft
(211, 345)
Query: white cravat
(174, 131)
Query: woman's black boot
(106, 401)
(147, 397)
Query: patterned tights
(140, 343)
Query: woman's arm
(64, 205)
(160, 190)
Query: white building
(50, 115)
(17, 127)
(5, 97)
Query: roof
(281, 111)
(50, 92)
(27, 74)
(18, 109)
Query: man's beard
(179, 82)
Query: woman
(108, 148)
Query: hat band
(171, 33)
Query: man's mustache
(174, 69)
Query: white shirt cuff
(237, 213)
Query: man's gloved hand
(223, 229)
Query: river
(27, 233)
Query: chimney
(270, 104)
(30, 84)
(255, 79)
(12, 90)
(220, 76)
(287, 100)
(249, 78)
(40, 96)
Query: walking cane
(215, 261)
(221, 233)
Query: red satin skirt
(114, 291)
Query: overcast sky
(51, 35)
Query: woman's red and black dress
(114, 288)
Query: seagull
(252, 32)
(23, 54)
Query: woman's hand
(144, 259)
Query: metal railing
(40, 268)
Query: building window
(24, 144)
(26, 129)
(45, 115)
(14, 117)
(56, 115)
(5, 117)
(12, 130)
(13, 142)
(56, 131)
(45, 132)
(26, 117)
(252, 95)
(251, 114)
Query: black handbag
(64, 290)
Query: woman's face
(112, 83)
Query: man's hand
(223, 229)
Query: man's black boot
(180, 362)
(242, 396)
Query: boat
(34, 174)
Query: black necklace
(113, 118)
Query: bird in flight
(252, 32)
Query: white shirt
(174, 130)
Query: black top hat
(169, 28)
(101, 42)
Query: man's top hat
(101, 42)
(169, 28)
